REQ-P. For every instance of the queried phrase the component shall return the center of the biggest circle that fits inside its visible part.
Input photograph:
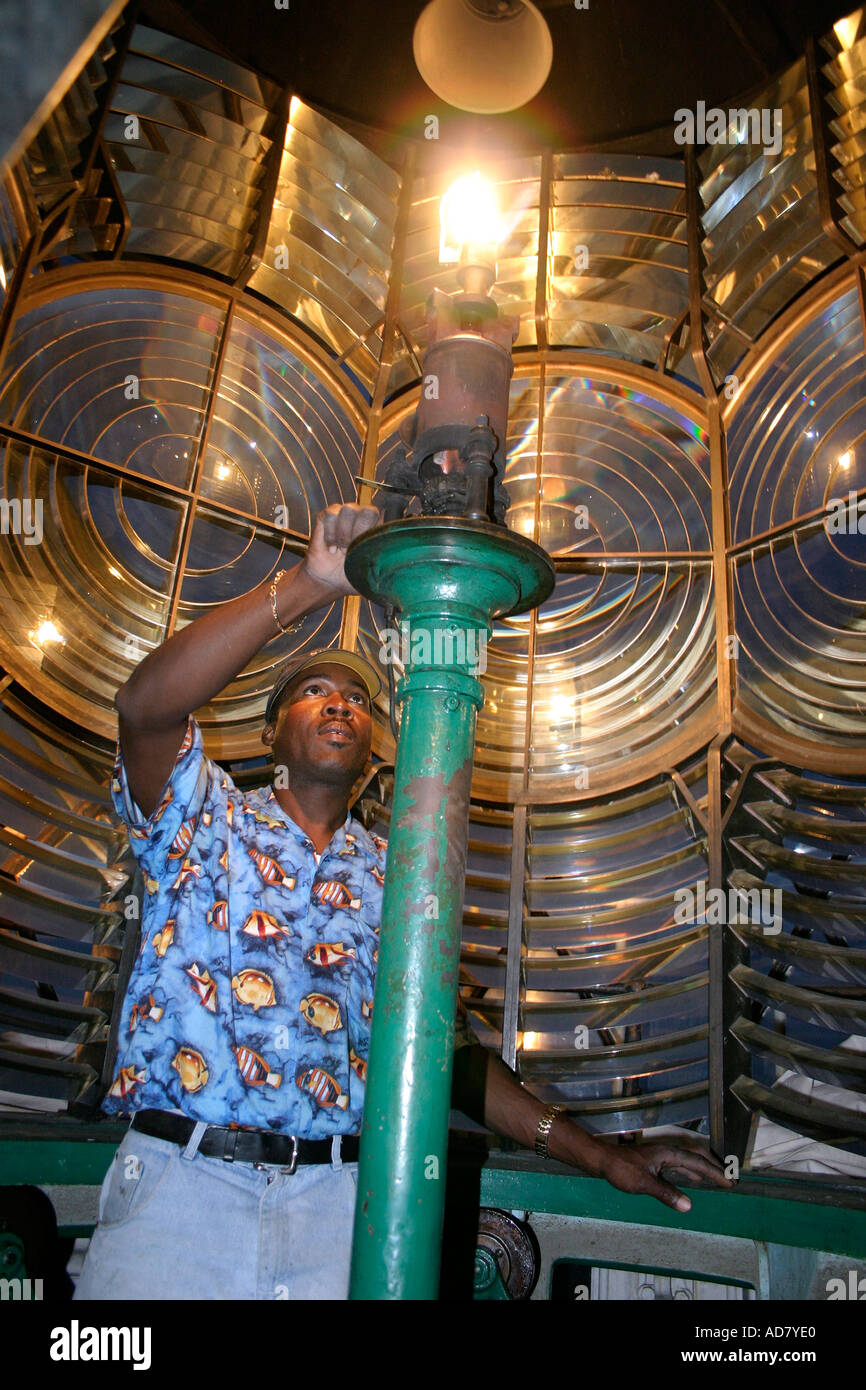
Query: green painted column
(447, 579)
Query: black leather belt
(244, 1145)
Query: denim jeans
(174, 1224)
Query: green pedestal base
(448, 580)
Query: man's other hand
(334, 530)
(637, 1168)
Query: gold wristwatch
(542, 1134)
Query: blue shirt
(251, 999)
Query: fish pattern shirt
(251, 998)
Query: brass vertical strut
(189, 519)
(717, 933)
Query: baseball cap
(322, 656)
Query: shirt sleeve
(180, 804)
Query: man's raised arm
(194, 665)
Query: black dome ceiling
(621, 68)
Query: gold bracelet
(293, 627)
(542, 1134)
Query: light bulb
(483, 55)
(469, 218)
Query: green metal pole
(448, 579)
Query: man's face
(323, 725)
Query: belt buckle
(293, 1166)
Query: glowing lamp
(469, 218)
(457, 434)
(470, 232)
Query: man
(245, 1029)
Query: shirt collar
(350, 826)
